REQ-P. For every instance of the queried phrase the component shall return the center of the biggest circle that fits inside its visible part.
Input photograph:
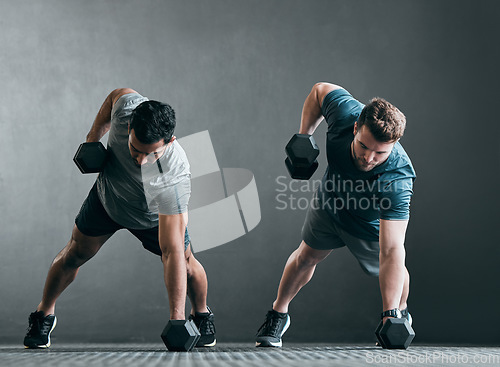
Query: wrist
(91, 138)
(306, 130)
(395, 312)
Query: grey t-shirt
(133, 196)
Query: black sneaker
(204, 321)
(39, 329)
(271, 331)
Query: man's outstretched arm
(171, 238)
(392, 262)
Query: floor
(225, 355)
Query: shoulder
(340, 110)
(401, 160)
(341, 98)
(399, 173)
(180, 155)
(118, 92)
(125, 103)
(173, 165)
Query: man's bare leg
(197, 284)
(197, 288)
(406, 290)
(64, 268)
(298, 271)
(62, 272)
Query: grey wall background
(242, 69)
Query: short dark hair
(385, 121)
(153, 121)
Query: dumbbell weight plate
(180, 335)
(90, 157)
(300, 173)
(395, 334)
(377, 333)
(302, 150)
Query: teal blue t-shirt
(354, 199)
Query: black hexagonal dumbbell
(180, 335)
(396, 333)
(301, 153)
(90, 157)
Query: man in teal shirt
(363, 202)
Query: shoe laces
(271, 325)
(34, 324)
(37, 324)
(205, 325)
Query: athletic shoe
(271, 331)
(39, 329)
(204, 321)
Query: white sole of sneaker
(52, 328)
(211, 344)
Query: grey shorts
(321, 233)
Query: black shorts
(94, 221)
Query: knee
(304, 260)
(193, 267)
(77, 253)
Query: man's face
(145, 153)
(368, 152)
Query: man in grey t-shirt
(144, 188)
